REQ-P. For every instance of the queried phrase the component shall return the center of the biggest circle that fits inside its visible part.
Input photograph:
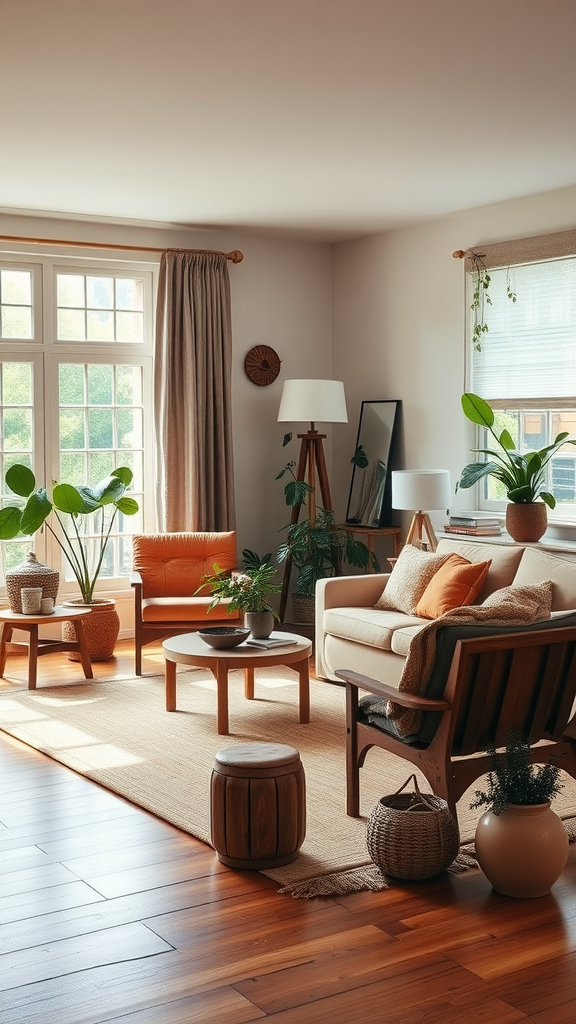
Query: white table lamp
(415, 490)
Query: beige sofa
(351, 633)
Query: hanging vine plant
(481, 293)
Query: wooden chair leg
(352, 769)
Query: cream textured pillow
(409, 578)
(530, 602)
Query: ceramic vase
(523, 850)
(101, 628)
(260, 624)
(526, 523)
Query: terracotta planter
(523, 850)
(101, 628)
(526, 523)
(260, 624)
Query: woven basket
(412, 836)
(31, 573)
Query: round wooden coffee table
(190, 649)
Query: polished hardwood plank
(110, 915)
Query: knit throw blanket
(511, 606)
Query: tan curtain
(192, 393)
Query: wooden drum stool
(257, 805)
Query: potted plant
(248, 591)
(316, 547)
(521, 843)
(84, 555)
(522, 474)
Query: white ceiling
(319, 119)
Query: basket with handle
(412, 835)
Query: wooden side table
(36, 647)
(375, 531)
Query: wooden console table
(375, 531)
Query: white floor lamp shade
(316, 401)
(419, 490)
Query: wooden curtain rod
(235, 256)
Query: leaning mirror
(369, 501)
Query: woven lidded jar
(31, 574)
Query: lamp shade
(317, 401)
(420, 489)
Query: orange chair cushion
(458, 582)
(173, 564)
(186, 609)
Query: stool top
(257, 755)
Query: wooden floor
(107, 914)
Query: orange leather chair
(167, 570)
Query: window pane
(128, 385)
(100, 385)
(17, 383)
(130, 428)
(100, 430)
(71, 325)
(100, 292)
(73, 468)
(71, 378)
(17, 430)
(72, 429)
(129, 294)
(70, 290)
(100, 465)
(130, 327)
(16, 322)
(16, 287)
(99, 326)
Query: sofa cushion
(403, 637)
(505, 561)
(409, 578)
(537, 565)
(367, 625)
(458, 582)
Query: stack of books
(474, 524)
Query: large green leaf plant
(103, 501)
(522, 474)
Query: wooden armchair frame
(513, 682)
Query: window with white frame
(75, 385)
(525, 362)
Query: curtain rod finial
(459, 254)
(236, 256)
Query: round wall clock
(262, 365)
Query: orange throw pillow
(458, 582)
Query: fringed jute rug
(118, 733)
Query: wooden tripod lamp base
(421, 533)
(421, 488)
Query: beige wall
(398, 327)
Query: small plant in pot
(248, 591)
(99, 503)
(521, 843)
(523, 474)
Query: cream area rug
(118, 733)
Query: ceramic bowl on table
(222, 637)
